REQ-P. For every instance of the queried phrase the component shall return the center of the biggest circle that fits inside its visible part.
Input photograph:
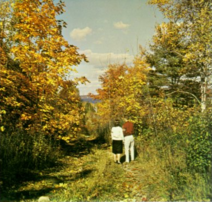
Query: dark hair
(116, 122)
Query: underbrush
(168, 174)
(176, 148)
(21, 154)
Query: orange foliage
(32, 82)
(122, 89)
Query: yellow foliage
(2, 128)
(122, 88)
(43, 57)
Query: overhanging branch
(185, 92)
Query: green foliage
(21, 154)
(89, 120)
(199, 145)
(104, 133)
(179, 142)
(180, 50)
(166, 174)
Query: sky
(107, 32)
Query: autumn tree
(112, 90)
(43, 60)
(122, 90)
(39, 103)
(182, 46)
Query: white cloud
(89, 87)
(102, 60)
(120, 25)
(92, 74)
(99, 41)
(80, 34)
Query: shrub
(180, 142)
(199, 153)
(21, 154)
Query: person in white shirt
(117, 141)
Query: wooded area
(47, 130)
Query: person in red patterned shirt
(128, 129)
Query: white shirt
(117, 133)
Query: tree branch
(185, 92)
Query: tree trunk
(203, 93)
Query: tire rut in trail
(133, 174)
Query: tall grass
(180, 158)
(21, 154)
(168, 176)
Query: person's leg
(126, 147)
(114, 150)
(118, 157)
(114, 157)
(132, 149)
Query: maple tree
(122, 90)
(34, 80)
(184, 42)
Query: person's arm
(122, 134)
(112, 133)
(123, 128)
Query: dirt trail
(86, 177)
(134, 179)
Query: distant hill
(86, 98)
